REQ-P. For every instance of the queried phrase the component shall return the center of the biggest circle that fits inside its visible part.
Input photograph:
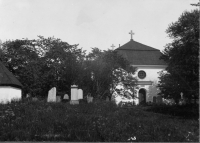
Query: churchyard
(134, 93)
(39, 120)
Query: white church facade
(148, 64)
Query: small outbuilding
(10, 87)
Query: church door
(142, 96)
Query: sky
(92, 23)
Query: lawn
(98, 121)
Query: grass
(98, 121)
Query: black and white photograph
(99, 70)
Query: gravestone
(159, 99)
(28, 95)
(58, 98)
(89, 98)
(66, 96)
(74, 92)
(52, 95)
(74, 95)
(80, 94)
(181, 95)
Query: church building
(148, 64)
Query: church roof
(7, 78)
(140, 54)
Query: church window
(141, 74)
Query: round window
(141, 74)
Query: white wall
(8, 93)
(152, 74)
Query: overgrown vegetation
(182, 58)
(44, 63)
(98, 121)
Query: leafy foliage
(182, 58)
(102, 67)
(43, 63)
(49, 62)
(22, 60)
(61, 63)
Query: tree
(20, 57)
(62, 63)
(43, 63)
(181, 56)
(101, 66)
(50, 62)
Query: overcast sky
(92, 23)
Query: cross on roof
(112, 46)
(131, 34)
